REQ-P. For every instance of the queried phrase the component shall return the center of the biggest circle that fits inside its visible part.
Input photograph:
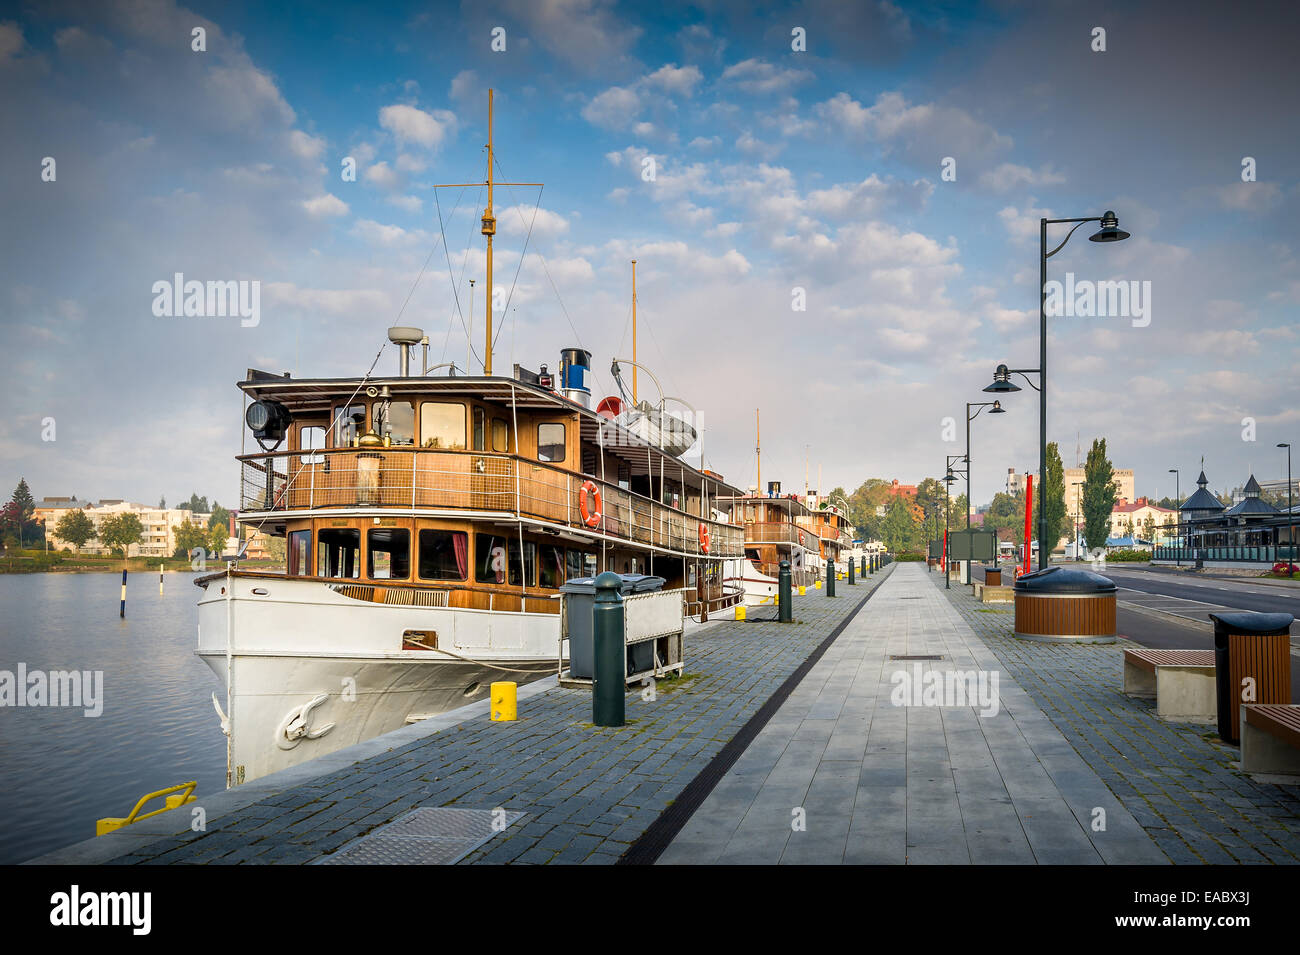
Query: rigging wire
(451, 275)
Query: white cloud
(325, 206)
(378, 233)
(334, 301)
(412, 204)
(1022, 223)
(544, 223)
(759, 76)
(675, 80)
(11, 40)
(926, 132)
(305, 146)
(381, 174)
(412, 125)
(1009, 176)
(615, 108)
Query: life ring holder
(589, 505)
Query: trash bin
(580, 598)
(1063, 605)
(1255, 646)
(993, 576)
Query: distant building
(50, 510)
(159, 526)
(902, 490)
(1130, 520)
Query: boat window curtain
(460, 542)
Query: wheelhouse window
(388, 553)
(579, 564)
(480, 429)
(529, 566)
(500, 436)
(550, 442)
(552, 566)
(349, 423)
(311, 437)
(338, 552)
(444, 555)
(399, 423)
(299, 553)
(442, 425)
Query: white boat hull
(301, 643)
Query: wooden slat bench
(1180, 681)
(1270, 738)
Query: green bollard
(785, 605)
(830, 578)
(610, 653)
(852, 566)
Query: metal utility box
(653, 621)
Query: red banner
(1029, 522)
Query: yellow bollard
(817, 585)
(740, 612)
(504, 703)
(803, 591)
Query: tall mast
(758, 449)
(633, 331)
(489, 230)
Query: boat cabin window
(490, 561)
(580, 565)
(444, 555)
(480, 429)
(349, 424)
(300, 553)
(550, 442)
(442, 425)
(500, 436)
(388, 553)
(311, 437)
(553, 566)
(624, 476)
(399, 424)
(338, 552)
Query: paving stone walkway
(1180, 781)
(588, 792)
(843, 775)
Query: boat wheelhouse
(773, 534)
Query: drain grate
(424, 836)
(918, 656)
(909, 598)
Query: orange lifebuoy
(704, 537)
(589, 503)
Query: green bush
(1128, 556)
(908, 555)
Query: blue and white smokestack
(575, 372)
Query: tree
(23, 498)
(1058, 523)
(220, 517)
(217, 537)
(120, 531)
(188, 536)
(1149, 526)
(1100, 491)
(199, 505)
(162, 503)
(75, 528)
(897, 529)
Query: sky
(890, 174)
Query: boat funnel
(575, 368)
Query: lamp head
(997, 408)
(1110, 230)
(1002, 383)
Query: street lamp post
(1109, 232)
(995, 407)
(1290, 516)
(948, 479)
(1178, 527)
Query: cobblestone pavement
(1178, 780)
(845, 772)
(588, 792)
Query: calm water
(60, 770)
